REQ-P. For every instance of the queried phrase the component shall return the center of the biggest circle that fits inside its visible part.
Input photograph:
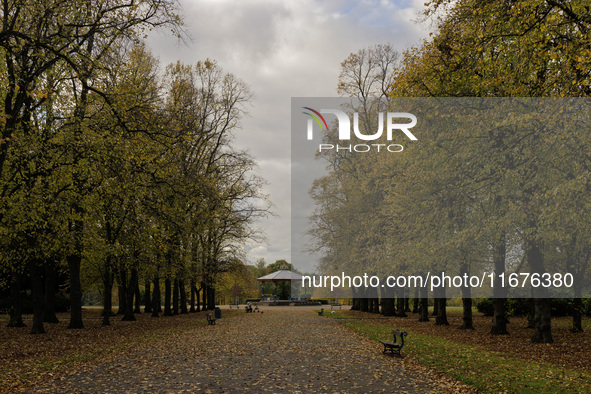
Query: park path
(282, 350)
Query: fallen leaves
(287, 349)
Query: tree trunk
(197, 301)
(167, 296)
(499, 321)
(531, 313)
(467, 323)
(128, 297)
(79, 188)
(577, 314)
(388, 307)
(204, 293)
(373, 303)
(147, 298)
(211, 298)
(107, 299)
(156, 297)
(50, 290)
(183, 297)
(193, 290)
(577, 307)
(424, 310)
(16, 309)
(542, 321)
(364, 305)
(376, 305)
(441, 319)
(37, 290)
(175, 297)
(400, 304)
(577, 286)
(370, 305)
(137, 296)
(74, 260)
(415, 303)
(435, 302)
(121, 293)
(406, 302)
(542, 308)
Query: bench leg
(392, 351)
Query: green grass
(481, 368)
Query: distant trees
(469, 193)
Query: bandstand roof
(280, 276)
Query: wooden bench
(321, 312)
(393, 346)
(210, 319)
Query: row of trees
(113, 170)
(508, 192)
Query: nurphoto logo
(344, 127)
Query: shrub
(587, 306)
(62, 303)
(4, 305)
(485, 306)
(562, 307)
(517, 306)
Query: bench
(393, 346)
(321, 312)
(210, 319)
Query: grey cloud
(284, 49)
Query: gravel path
(291, 350)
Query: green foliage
(279, 265)
(109, 163)
(515, 180)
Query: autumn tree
(529, 48)
(39, 37)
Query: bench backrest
(398, 333)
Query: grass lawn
(481, 362)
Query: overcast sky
(285, 49)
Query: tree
(41, 37)
(530, 48)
